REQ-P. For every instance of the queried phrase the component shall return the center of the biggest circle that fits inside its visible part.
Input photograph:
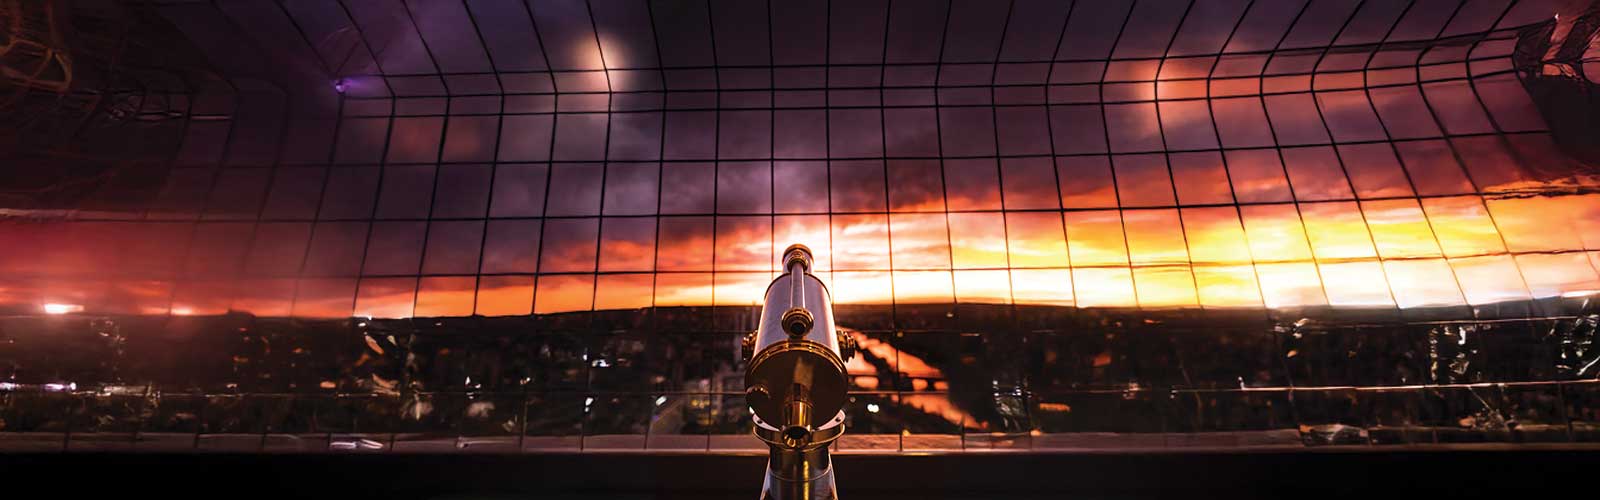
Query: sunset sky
(1236, 163)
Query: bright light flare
(54, 308)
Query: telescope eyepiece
(747, 345)
(797, 418)
(796, 436)
(797, 322)
(847, 345)
(757, 395)
(797, 254)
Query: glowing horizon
(1448, 251)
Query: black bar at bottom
(1458, 471)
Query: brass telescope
(795, 382)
